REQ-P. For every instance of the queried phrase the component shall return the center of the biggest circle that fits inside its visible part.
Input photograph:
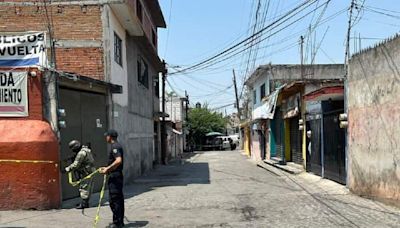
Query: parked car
(217, 143)
(223, 142)
(235, 141)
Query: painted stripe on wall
(19, 62)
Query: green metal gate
(86, 120)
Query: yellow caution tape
(76, 183)
(97, 218)
(26, 161)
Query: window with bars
(117, 49)
(143, 72)
(262, 91)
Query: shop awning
(267, 110)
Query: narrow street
(224, 189)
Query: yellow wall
(247, 141)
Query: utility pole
(238, 108)
(301, 57)
(236, 93)
(187, 121)
(346, 90)
(163, 127)
(347, 53)
(187, 105)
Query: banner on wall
(13, 94)
(23, 50)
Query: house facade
(176, 109)
(285, 98)
(102, 56)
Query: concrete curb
(285, 168)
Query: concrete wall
(374, 122)
(118, 73)
(132, 111)
(174, 108)
(257, 87)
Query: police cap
(112, 133)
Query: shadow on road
(180, 172)
(136, 224)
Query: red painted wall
(27, 185)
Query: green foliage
(202, 121)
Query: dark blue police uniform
(115, 184)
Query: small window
(157, 88)
(154, 38)
(143, 72)
(139, 10)
(262, 91)
(117, 49)
(254, 97)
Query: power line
(248, 38)
(238, 51)
(282, 41)
(169, 28)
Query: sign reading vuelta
(22, 50)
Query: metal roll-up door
(295, 141)
(86, 121)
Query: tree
(202, 121)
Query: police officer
(116, 179)
(83, 165)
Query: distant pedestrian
(116, 179)
(83, 165)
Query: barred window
(117, 49)
(143, 72)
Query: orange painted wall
(29, 185)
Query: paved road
(225, 189)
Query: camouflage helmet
(74, 145)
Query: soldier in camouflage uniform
(83, 165)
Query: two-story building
(104, 71)
(176, 108)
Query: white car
(235, 141)
(223, 142)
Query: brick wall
(71, 23)
(85, 61)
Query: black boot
(84, 204)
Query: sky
(199, 29)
